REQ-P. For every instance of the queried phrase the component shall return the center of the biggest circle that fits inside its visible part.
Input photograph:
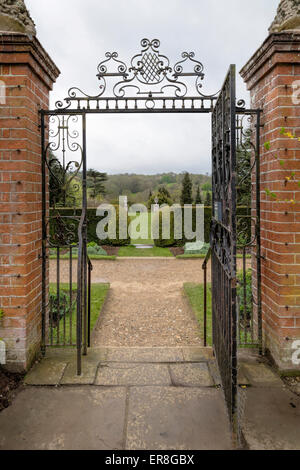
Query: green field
(98, 296)
(195, 295)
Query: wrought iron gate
(65, 306)
(148, 85)
(223, 238)
(234, 226)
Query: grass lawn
(145, 219)
(238, 256)
(195, 295)
(98, 296)
(156, 251)
(67, 256)
(191, 256)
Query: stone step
(186, 366)
(139, 354)
(182, 366)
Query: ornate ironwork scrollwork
(64, 170)
(150, 68)
(246, 162)
(149, 75)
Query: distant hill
(138, 187)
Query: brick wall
(269, 75)
(28, 74)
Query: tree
(198, 199)
(161, 197)
(95, 180)
(168, 178)
(206, 187)
(208, 199)
(163, 190)
(56, 182)
(64, 185)
(186, 192)
(134, 184)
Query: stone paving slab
(191, 375)
(47, 372)
(87, 377)
(67, 418)
(215, 374)
(133, 374)
(242, 378)
(145, 355)
(260, 375)
(197, 354)
(167, 418)
(70, 354)
(272, 419)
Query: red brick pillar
(26, 77)
(270, 76)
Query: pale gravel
(146, 305)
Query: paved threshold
(126, 398)
(147, 398)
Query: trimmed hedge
(242, 223)
(171, 241)
(93, 220)
(71, 224)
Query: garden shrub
(58, 306)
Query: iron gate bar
(44, 235)
(78, 112)
(84, 201)
(258, 231)
(90, 269)
(255, 242)
(79, 292)
(71, 293)
(204, 267)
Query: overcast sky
(77, 33)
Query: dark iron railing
(247, 328)
(90, 269)
(223, 239)
(63, 299)
(248, 126)
(204, 267)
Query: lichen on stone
(287, 17)
(14, 17)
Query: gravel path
(146, 305)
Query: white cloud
(77, 34)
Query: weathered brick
(269, 76)
(29, 80)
